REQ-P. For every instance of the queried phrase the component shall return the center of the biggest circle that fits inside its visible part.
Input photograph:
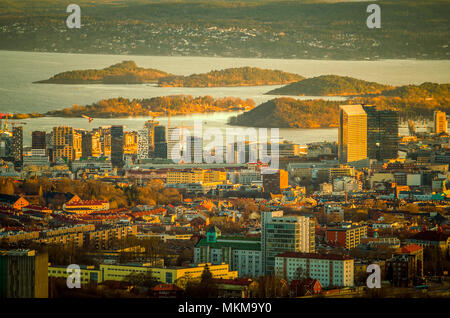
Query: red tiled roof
(314, 256)
(166, 287)
(411, 248)
(88, 202)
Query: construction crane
(90, 119)
(5, 127)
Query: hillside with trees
(425, 90)
(411, 101)
(176, 105)
(241, 76)
(291, 113)
(306, 29)
(126, 72)
(330, 85)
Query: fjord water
(20, 69)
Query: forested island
(175, 105)
(330, 85)
(411, 101)
(126, 72)
(288, 112)
(239, 76)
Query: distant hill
(241, 76)
(290, 113)
(126, 72)
(176, 105)
(424, 90)
(330, 85)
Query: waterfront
(20, 69)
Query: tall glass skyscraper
(117, 142)
(352, 137)
(382, 133)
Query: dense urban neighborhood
(114, 202)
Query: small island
(241, 76)
(330, 85)
(126, 72)
(156, 106)
(287, 112)
(411, 101)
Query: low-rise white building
(330, 270)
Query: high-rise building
(130, 143)
(440, 122)
(6, 146)
(104, 134)
(117, 144)
(160, 142)
(150, 127)
(38, 140)
(174, 142)
(143, 144)
(23, 274)
(281, 233)
(276, 182)
(17, 135)
(90, 144)
(352, 139)
(62, 143)
(382, 133)
(194, 150)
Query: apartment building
(242, 254)
(346, 236)
(281, 233)
(329, 270)
(23, 274)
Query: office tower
(23, 274)
(90, 144)
(38, 143)
(174, 143)
(160, 142)
(17, 135)
(281, 233)
(38, 140)
(143, 144)
(117, 144)
(276, 182)
(194, 148)
(104, 134)
(77, 141)
(352, 137)
(6, 146)
(382, 133)
(150, 127)
(62, 143)
(130, 143)
(440, 122)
